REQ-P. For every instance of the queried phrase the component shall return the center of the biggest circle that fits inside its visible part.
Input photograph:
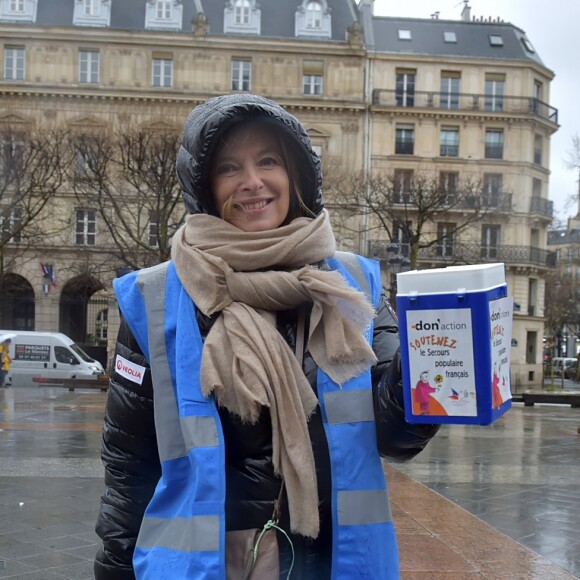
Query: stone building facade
(377, 94)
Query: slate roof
(278, 18)
(277, 15)
(472, 39)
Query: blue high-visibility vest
(182, 535)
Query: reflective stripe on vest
(364, 543)
(182, 442)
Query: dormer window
(242, 17)
(313, 15)
(164, 14)
(18, 10)
(313, 19)
(92, 7)
(242, 12)
(92, 13)
(163, 9)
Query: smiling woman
(271, 382)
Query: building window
(532, 296)
(403, 186)
(92, 13)
(102, 324)
(494, 92)
(404, 140)
(14, 63)
(16, 5)
(163, 9)
(312, 84)
(404, 34)
(528, 45)
(450, 87)
(89, 66)
(242, 17)
(536, 187)
(494, 144)
(162, 72)
(241, 75)
(85, 161)
(92, 7)
(11, 224)
(242, 12)
(492, 189)
(495, 40)
(312, 19)
(537, 100)
(405, 88)
(450, 37)
(86, 227)
(400, 236)
(446, 239)
(538, 146)
(490, 241)
(448, 181)
(313, 15)
(312, 74)
(449, 142)
(163, 14)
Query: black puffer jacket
(132, 466)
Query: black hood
(208, 122)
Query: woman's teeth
(257, 205)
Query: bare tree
(415, 211)
(33, 168)
(129, 177)
(572, 162)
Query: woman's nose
(251, 179)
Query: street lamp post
(397, 263)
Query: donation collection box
(455, 326)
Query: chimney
(466, 12)
(369, 3)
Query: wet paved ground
(521, 475)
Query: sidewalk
(440, 541)
(51, 481)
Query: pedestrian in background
(257, 369)
(5, 361)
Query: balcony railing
(542, 206)
(467, 102)
(486, 201)
(448, 150)
(476, 253)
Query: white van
(562, 364)
(44, 357)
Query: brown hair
(297, 206)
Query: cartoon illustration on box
(422, 393)
(500, 317)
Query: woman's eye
(226, 168)
(268, 161)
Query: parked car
(46, 357)
(563, 365)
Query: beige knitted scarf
(246, 363)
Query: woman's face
(249, 169)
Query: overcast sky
(553, 27)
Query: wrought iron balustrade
(542, 206)
(466, 102)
